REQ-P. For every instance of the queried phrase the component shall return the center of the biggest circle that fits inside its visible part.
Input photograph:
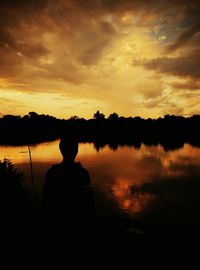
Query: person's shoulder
(84, 173)
(53, 169)
(79, 167)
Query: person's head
(68, 148)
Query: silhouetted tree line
(170, 131)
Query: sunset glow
(74, 57)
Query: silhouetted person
(67, 197)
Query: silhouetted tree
(75, 117)
(99, 116)
(33, 114)
(113, 116)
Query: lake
(146, 183)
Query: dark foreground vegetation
(170, 131)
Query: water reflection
(148, 182)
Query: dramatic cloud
(189, 85)
(186, 66)
(82, 50)
(183, 38)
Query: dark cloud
(6, 39)
(29, 50)
(189, 85)
(183, 38)
(33, 50)
(97, 39)
(9, 63)
(15, 13)
(33, 4)
(16, 19)
(116, 5)
(185, 66)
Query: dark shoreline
(171, 132)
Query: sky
(74, 57)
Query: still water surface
(146, 183)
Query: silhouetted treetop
(113, 116)
(99, 116)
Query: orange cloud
(85, 50)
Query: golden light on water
(131, 203)
(115, 173)
(43, 152)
